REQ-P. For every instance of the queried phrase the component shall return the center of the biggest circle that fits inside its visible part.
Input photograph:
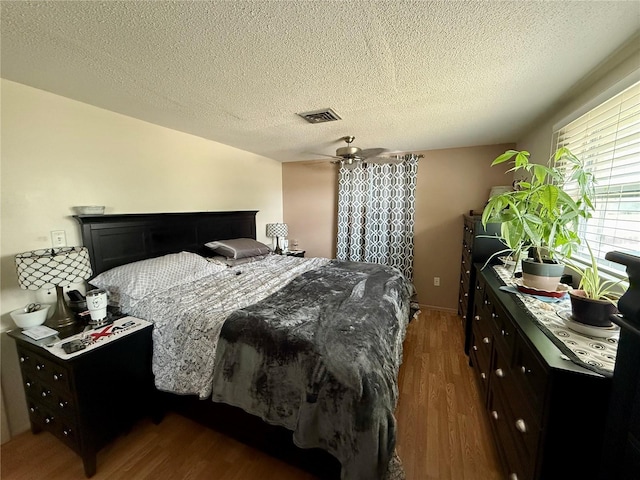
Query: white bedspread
(187, 320)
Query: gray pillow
(238, 248)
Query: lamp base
(62, 315)
(278, 250)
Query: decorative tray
(560, 292)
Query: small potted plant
(595, 300)
(539, 216)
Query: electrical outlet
(436, 281)
(58, 238)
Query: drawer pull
(468, 272)
(28, 384)
(24, 358)
(66, 432)
(499, 373)
(477, 317)
(40, 366)
(524, 370)
(495, 415)
(486, 340)
(466, 294)
(493, 315)
(33, 409)
(475, 348)
(63, 404)
(521, 426)
(483, 375)
(48, 420)
(57, 376)
(513, 476)
(46, 393)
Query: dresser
(547, 414)
(474, 249)
(86, 400)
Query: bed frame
(114, 240)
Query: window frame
(582, 116)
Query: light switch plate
(58, 238)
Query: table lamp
(54, 267)
(277, 230)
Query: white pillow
(134, 281)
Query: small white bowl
(90, 210)
(27, 320)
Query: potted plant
(595, 299)
(539, 216)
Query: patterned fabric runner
(594, 353)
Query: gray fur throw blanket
(321, 358)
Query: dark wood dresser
(87, 400)
(547, 414)
(474, 250)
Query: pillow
(238, 248)
(134, 281)
(234, 262)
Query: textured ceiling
(402, 75)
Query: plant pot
(590, 311)
(542, 276)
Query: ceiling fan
(350, 156)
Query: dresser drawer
(51, 373)
(504, 331)
(530, 374)
(522, 421)
(515, 463)
(61, 426)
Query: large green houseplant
(539, 217)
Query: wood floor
(443, 433)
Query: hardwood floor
(442, 430)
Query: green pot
(542, 276)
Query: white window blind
(607, 139)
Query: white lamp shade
(53, 267)
(277, 230)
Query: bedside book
(39, 332)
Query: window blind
(607, 139)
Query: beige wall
(310, 204)
(450, 183)
(620, 65)
(57, 153)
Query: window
(607, 139)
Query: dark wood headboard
(114, 240)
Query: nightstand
(295, 253)
(89, 397)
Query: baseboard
(438, 308)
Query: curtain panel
(376, 210)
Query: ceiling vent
(320, 116)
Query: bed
(311, 346)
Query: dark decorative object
(629, 303)
(621, 452)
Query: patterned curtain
(376, 207)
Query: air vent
(320, 116)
